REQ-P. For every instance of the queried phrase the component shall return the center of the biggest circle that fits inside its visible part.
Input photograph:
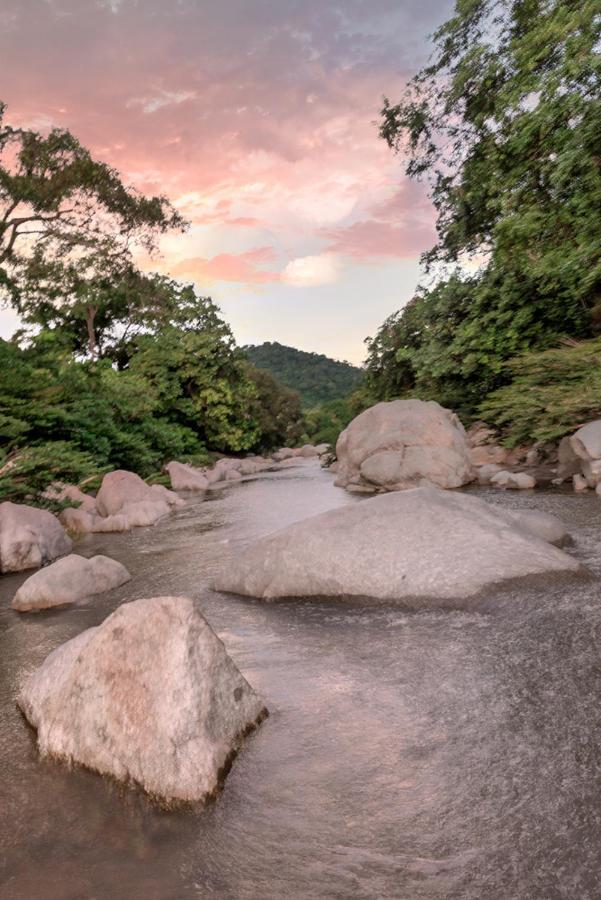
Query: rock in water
(68, 580)
(186, 478)
(402, 444)
(124, 493)
(150, 696)
(586, 444)
(422, 546)
(29, 537)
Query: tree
(505, 125)
(69, 226)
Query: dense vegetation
(114, 367)
(317, 378)
(505, 125)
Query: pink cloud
(242, 267)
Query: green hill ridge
(317, 378)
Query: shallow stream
(407, 755)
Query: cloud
(400, 226)
(308, 271)
(242, 267)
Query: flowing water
(407, 755)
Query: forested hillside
(317, 378)
(505, 126)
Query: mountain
(316, 377)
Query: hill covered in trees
(504, 125)
(317, 378)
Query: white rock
(404, 443)
(580, 483)
(308, 450)
(125, 493)
(71, 492)
(79, 521)
(68, 580)
(29, 537)
(485, 473)
(150, 697)
(170, 497)
(545, 526)
(232, 475)
(186, 478)
(422, 547)
(501, 478)
(520, 481)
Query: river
(407, 755)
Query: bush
(550, 395)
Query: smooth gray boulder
(545, 526)
(80, 521)
(402, 444)
(150, 697)
(186, 478)
(125, 493)
(421, 547)
(68, 580)
(586, 444)
(29, 537)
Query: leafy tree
(276, 409)
(68, 226)
(505, 125)
(551, 393)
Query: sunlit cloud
(308, 271)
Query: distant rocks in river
(402, 444)
(517, 481)
(126, 494)
(68, 580)
(150, 697)
(185, 477)
(29, 537)
(422, 547)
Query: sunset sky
(258, 119)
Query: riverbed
(407, 754)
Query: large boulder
(124, 493)
(402, 444)
(186, 478)
(80, 521)
(29, 537)
(421, 547)
(586, 444)
(150, 697)
(68, 580)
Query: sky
(259, 120)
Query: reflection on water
(407, 755)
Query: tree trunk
(90, 316)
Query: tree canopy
(505, 126)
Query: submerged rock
(29, 537)
(68, 580)
(422, 546)
(402, 444)
(150, 696)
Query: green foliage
(69, 228)
(317, 378)
(276, 410)
(505, 125)
(324, 424)
(26, 474)
(550, 395)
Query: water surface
(407, 755)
